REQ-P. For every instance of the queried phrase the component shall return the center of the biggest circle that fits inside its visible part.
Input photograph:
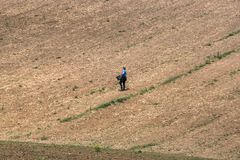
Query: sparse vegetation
(205, 122)
(7, 25)
(172, 79)
(104, 105)
(113, 102)
(225, 54)
(208, 44)
(101, 90)
(230, 35)
(209, 60)
(15, 137)
(146, 90)
(68, 119)
(81, 45)
(138, 147)
(99, 107)
(44, 138)
(54, 151)
(232, 73)
(212, 82)
(75, 88)
(29, 134)
(122, 31)
(97, 148)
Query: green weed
(97, 148)
(208, 44)
(212, 82)
(231, 34)
(15, 137)
(98, 90)
(233, 73)
(172, 79)
(44, 138)
(113, 102)
(104, 105)
(208, 61)
(68, 119)
(29, 134)
(146, 90)
(75, 88)
(99, 107)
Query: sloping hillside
(33, 151)
(59, 59)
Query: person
(123, 79)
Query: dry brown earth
(36, 151)
(59, 59)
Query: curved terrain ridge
(59, 60)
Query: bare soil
(35, 151)
(59, 60)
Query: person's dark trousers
(122, 82)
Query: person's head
(124, 68)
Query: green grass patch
(97, 148)
(113, 102)
(229, 35)
(104, 105)
(173, 79)
(146, 90)
(223, 55)
(209, 60)
(99, 107)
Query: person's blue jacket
(124, 73)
